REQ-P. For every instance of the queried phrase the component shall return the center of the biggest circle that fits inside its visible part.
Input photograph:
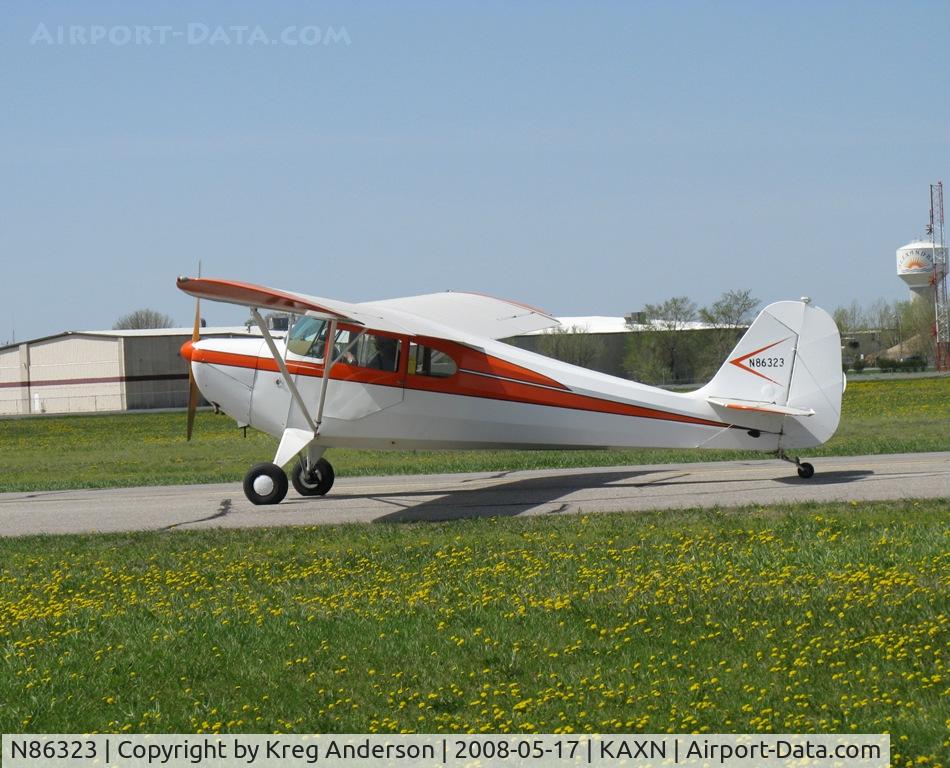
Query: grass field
(785, 619)
(149, 449)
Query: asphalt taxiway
(453, 496)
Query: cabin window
(380, 353)
(369, 350)
(426, 361)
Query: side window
(308, 338)
(371, 351)
(425, 361)
(341, 346)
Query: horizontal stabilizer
(751, 405)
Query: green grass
(149, 449)
(786, 619)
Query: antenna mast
(941, 303)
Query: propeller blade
(192, 404)
(192, 385)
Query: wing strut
(288, 380)
(328, 363)
(295, 440)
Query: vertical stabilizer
(790, 358)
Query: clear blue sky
(586, 158)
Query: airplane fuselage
(498, 397)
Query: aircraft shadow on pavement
(503, 499)
(828, 478)
(518, 496)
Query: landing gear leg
(265, 484)
(312, 475)
(805, 470)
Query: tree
(884, 319)
(674, 314)
(662, 352)
(906, 325)
(731, 310)
(917, 328)
(850, 319)
(143, 318)
(729, 316)
(572, 345)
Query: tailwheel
(265, 484)
(805, 470)
(315, 482)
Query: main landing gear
(266, 483)
(315, 481)
(805, 470)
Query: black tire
(278, 484)
(805, 470)
(317, 483)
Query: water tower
(915, 266)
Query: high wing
(471, 313)
(468, 318)
(249, 295)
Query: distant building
(88, 371)
(612, 332)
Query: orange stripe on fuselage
(473, 385)
(469, 359)
(341, 371)
(463, 384)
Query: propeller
(192, 384)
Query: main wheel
(805, 470)
(265, 484)
(315, 483)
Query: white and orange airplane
(429, 372)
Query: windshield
(306, 337)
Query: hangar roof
(208, 331)
(225, 330)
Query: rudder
(788, 364)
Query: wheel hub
(263, 485)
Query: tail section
(788, 365)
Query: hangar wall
(14, 368)
(96, 371)
(76, 374)
(62, 374)
(155, 374)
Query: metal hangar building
(90, 371)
